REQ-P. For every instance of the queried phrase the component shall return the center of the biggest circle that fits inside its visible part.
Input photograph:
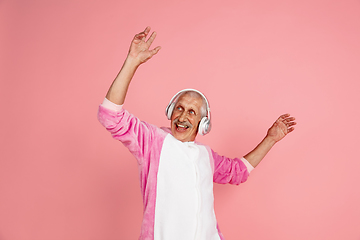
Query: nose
(182, 116)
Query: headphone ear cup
(208, 126)
(169, 110)
(204, 126)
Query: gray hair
(203, 109)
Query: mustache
(185, 123)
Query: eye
(192, 112)
(179, 108)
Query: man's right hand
(139, 48)
(139, 53)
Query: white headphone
(205, 123)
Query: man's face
(186, 117)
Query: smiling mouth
(181, 127)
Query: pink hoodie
(146, 142)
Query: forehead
(190, 100)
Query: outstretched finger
(147, 30)
(290, 130)
(155, 50)
(289, 119)
(282, 117)
(151, 38)
(291, 123)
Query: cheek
(195, 122)
(173, 117)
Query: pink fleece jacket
(145, 142)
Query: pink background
(62, 176)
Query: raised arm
(282, 126)
(139, 53)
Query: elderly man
(177, 173)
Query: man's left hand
(282, 126)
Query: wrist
(269, 141)
(132, 61)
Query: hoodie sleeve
(136, 135)
(227, 170)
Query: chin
(183, 138)
(179, 137)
